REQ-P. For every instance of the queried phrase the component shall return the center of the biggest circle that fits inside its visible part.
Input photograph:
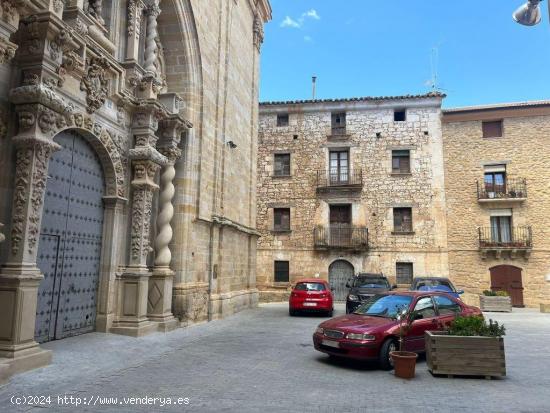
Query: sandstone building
(348, 186)
(127, 148)
(496, 183)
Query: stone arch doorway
(339, 272)
(508, 278)
(69, 249)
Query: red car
(312, 295)
(371, 332)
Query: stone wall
(215, 214)
(372, 134)
(523, 150)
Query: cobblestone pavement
(263, 360)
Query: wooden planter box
(465, 356)
(490, 303)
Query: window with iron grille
(404, 272)
(401, 162)
(281, 271)
(402, 219)
(282, 120)
(281, 164)
(399, 115)
(339, 123)
(492, 129)
(281, 219)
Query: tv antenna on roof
(433, 83)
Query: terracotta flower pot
(404, 363)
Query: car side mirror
(347, 285)
(393, 287)
(460, 292)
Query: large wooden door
(69, 250)
(508, 278)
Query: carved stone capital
(147, 153)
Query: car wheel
(329, 313)
(384, 358)
(292, 313)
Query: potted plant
(404, 362)
(470, 347)
(495, 301)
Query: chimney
(314, 84)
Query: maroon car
(371, 331)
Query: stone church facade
(348, 186)
(127, 146)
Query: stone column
(20, 277)
(111, 252)
(160, 286)
(134, 282)
(151, 82)
(135, 13)
(151, 48)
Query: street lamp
(529, 14)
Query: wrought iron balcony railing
(505, 237)
(339, 177)
(515, 188)
(341, 236)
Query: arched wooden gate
(339, 273)
(508, 278)
(69, 250)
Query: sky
(478, 54)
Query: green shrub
(490, 293)
(475, 326)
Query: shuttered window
(404, 272)
(402, 220)
(492, 129)
(282, 120)
(401, 162)
(281, 164)
(281, 219)
(281, 271)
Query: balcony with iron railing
(511, 190)
(341, 236)
(339, 179)
(506, 239)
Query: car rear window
(371, 282)
(310, 287)
(433, 283)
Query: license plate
(310, 304)
(330, 343)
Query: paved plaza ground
(263, 360)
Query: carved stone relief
(95, 83)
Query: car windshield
(370, 282)
(384, 306)
(424, 285)
(310, 287)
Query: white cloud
(299, 22)
(312, 13)
(308, 39)
(288, 22)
